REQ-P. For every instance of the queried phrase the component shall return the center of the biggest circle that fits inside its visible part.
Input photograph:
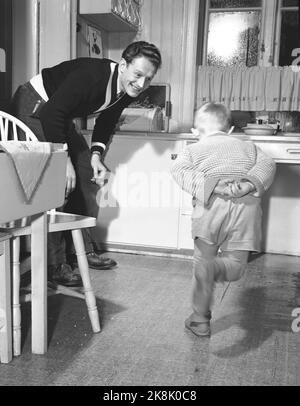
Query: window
(233, 34)
(288, 33)
(251, 32)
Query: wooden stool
(54, 222)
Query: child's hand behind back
(232, 189)
(241, 188)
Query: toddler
(226, 176)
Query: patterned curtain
(250, 89)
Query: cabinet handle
(293, 151)
(186, 212)
(174, 156)
(168, 109)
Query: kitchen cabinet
(284, 149)
(140, 204)
(280, 204)
(281, 210)
(112, 15)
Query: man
(78, 88)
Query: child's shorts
(230, 224)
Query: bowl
(259, 130)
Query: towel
(30, 159)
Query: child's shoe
(199, 328)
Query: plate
(258, 131)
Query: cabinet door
(185, 240)
(140, 204)
(281, 208)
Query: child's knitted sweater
(220, 156)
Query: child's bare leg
(209, 268)
(202, 287)
(232, 265)
(203, 278)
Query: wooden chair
(5, 300)
(56, 221)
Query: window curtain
(250, 89)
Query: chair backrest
(9, 126)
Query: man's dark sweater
(78, 88)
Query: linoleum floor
(143, 303)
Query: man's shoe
(63, 274)
(95, 261)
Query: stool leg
(84, 272)
(5, 304)
(16, 296)
(39, 337)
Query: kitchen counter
(283, 137)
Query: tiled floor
(143, 304)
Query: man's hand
(232, 188)
(71, 178)
(99, 170)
